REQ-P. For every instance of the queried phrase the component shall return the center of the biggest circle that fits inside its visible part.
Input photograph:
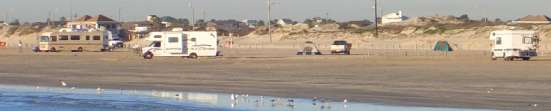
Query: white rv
(190, 44)
(514, 44)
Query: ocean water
(27, 98)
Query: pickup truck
(341, 47)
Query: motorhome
(74, 41)
(190, 44)
(514, 44)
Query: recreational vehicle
(74, 41)
(514, 44)
(190, 44)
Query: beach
(463, 80)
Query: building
(3, 23)
(99, 22)
(530, 19)
(251, 23)
(285, 22)
(393, 18)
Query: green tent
(443, 46)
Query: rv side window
(54, 38)
(193, 39)
(527, 40)
(64, 37)
(44, 39)
(173, 40)
(75, 37)
(498, 41)
(97, 37)
(157, 36)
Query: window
(64, 37)
(193, 39)
(97, 37)
(75, 37)
(498, 41)
(157, 36)
(54, 38)
(527, 40)
(173, 40)
(156, 44)
(340, 43)
(44, 39)
(87, 37)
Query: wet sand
(470, 81)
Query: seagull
(345, 101)
(490, 90)
(63, 83)
(232, 97)
(99, 90)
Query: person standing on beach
(20, 46)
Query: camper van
(514, 44)
(191, 44)
(74, 41)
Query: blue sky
(38, 10)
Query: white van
(190, 44)
(513, 44)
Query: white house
(393, 18)
(251, 23)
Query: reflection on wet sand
(165, 100)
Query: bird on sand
(62, 83)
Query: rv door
(185, 49)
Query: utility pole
(205, 15)
(270, 20)
(327, 16)
(376, 21)
(6, 17)
(192, 13)
(71, 9)
(120, 15)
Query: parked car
(341, 47)
(309, 49)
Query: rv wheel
(193, 56)
(148, 55)
(80, 49)
(509, 58)
(526, 58)
(52, 49)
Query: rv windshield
(155, 44)
(44, 39)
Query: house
(251, 23)
(285, 22)
(227, 27)
(99, 22)
(392, 18)
(530, 19)
(356, 24)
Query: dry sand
(469, 81)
